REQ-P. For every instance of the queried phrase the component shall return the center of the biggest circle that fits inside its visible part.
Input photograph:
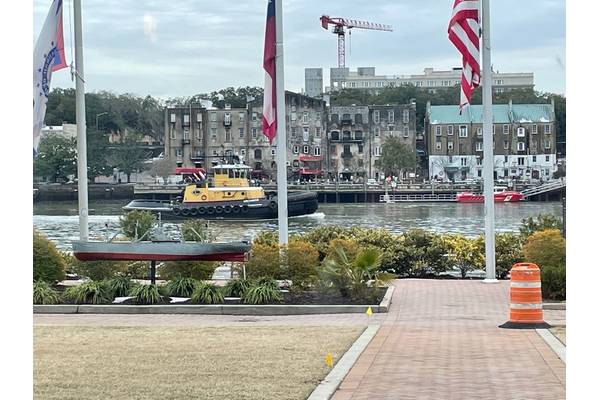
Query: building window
(520, 160)
(547, 158)
(462, 131)
(173, 134)
(406, 131)
(178, 152)
(293, 116)
(213, 133)
(254, 117)
(521, 132)
(296, 149)
(213, 117)
(406, 116)
(186, 119)
(438, 130)
(198, 132)
(241, 132)
(533, 158)
(376, 116)
(479, 146)
(547, 129)
(390, 116)
(506, 145)
(243, 152)
(227, 119)
(254, 133)
(450, 145)
(242, 116)
(305, 133)
(377, 131)
(480, 131)
(305, 117)
(317, 151)
(450, 130)
(215, 153)
(377, 151)
(173, 118)
(534, 129)
(257, 154)
(506, 129)
(186, 134)
(306, 150)
(272, 152)
(547, 144)
(360, 149)
(479, 160)
(463, 161)
(438, 145)
(521, 146)
(505, 159)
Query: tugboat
(501, 195)
(228, 197)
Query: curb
(216, 309)
(554, 306)
(557, 347)
(332, 381)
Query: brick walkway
(440, 340)
(444, 343)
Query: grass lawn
(72, 362)
(560, 332)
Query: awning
(305, 157)
(181, 170)
(305, 171)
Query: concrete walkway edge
(555, 344)
(335, 377)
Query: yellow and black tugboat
(227, 196)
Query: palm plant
(355, 277)
(43, 293)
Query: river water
(59, 220)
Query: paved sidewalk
(441, 341)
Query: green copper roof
(525, 113)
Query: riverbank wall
(58, 192)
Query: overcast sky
(183, 47)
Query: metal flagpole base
(487, 280)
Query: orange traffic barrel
(525, 297)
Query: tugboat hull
(299, 203)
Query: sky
(184, 47)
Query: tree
(97, 160)
(542, 222)
(395, 157)
(136, 223)
(237, 98)
(128, 156)
(163, 168)
(56, 159)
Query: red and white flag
(463, 32)
(269, 115)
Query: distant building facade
(65, 130)
(366, 79)
(524, 141)
(356, 135)
(313, 82)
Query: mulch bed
(329, 298)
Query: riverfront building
(365, 78)
(199, 136)
(524, 141)
(356, 135)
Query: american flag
(269, 116)
(48, 56)
(463, 32)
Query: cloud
(150, 28)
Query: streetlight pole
(99, 115)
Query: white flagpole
(488, 148)
(282, 206)
(81, 129)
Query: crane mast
(340, 25)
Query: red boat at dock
(501, 195)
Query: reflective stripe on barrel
(525, 294)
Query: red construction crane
(339, 25)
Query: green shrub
(302, 261)
(236, 287)
(554, 282)
(508, 252)
(206, 293)
(100, 270)
(181, 286)
(545, 248)
(196, 230)
(264, 292)
(43, 293)
(146, 294)
(463, 253)
(137, 221)
(263, 261)
(266, 238)
(322, 236)
(350, 248)
(200, 270)
(119, 286)
(540, 223)
(91, 292)
(48, 265)
(416, 253)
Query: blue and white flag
(48, 56)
